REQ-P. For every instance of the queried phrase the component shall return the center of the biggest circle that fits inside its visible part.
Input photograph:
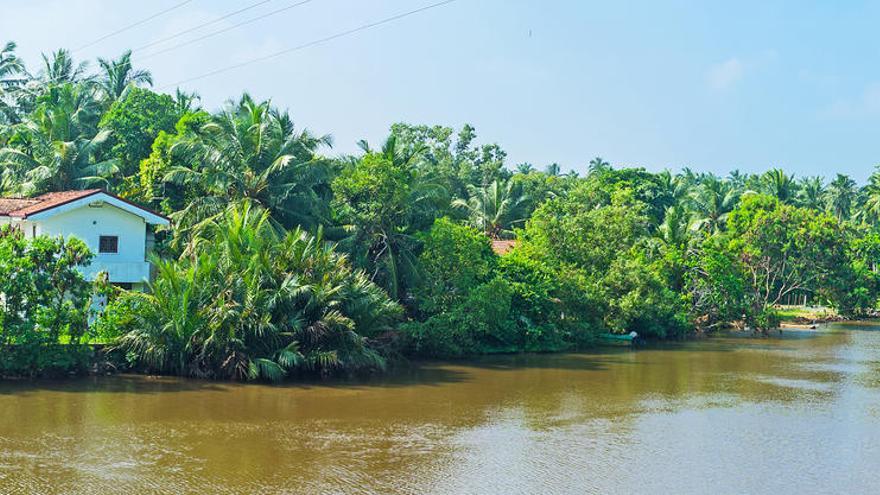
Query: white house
(117, 231)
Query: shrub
(44, 315)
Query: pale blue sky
(710, 85)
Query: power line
(309, 44)
(221, 31)
(194, 28)
(138, 23)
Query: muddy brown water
(798, 413)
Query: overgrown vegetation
(284, 258)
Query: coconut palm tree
(11, 72)
(811, 193)
(383, 200)
(779, 185)
(525, 168)
(117, 75)
(10, 64)
(59, 67)
(60, 165)
(712, 201)
(65, 112)
(673, 231)
(737, 179)
(598, 165)
(495, 209)
(672, 187)
(870, 208)
(841, 196)
(250, 152)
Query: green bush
(480, 323)
(44, 315)
(455, 259)
(639, 300)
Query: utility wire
(221, 31)
(189, 30)
(309, 44)
(138, 23)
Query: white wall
(89, 223)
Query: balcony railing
(119, 271)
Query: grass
(789, 313)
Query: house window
(108, 244)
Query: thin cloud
(865, 104)
(725, 74)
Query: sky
(709, 85)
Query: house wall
(88, 223)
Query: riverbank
(102, 359)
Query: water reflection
(789, 414)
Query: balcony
(118, 271)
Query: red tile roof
(9, 205)
(503, 246)
(23, 207)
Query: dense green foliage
(244, 301)
(285, 259)
(45, 303)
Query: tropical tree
(673, 187)
(245, 302)
(737, 179)
(673, 232)
(10, 64)
(381, 201)
(598, 165)
(495, 209)
(783, 250)
(841, 196)
(525, 168)
(59, 67)
(779, 185)
(117, 75)
(712, 201)
(811, 193)
(869, 210)
(45, 300)
(251, 153)
(65, 112)
(11, 69)
(60, 165)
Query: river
(797, 413)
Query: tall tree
(59, 67)
(382, 200)
(841, 196)
(117, 75)
(712, 201)
(779, 185)
(811, 193)
(11, 70)
(61, 165)
(251, 152)
(495, 209)
(870, 208)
